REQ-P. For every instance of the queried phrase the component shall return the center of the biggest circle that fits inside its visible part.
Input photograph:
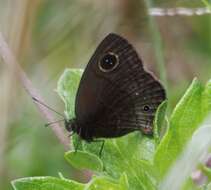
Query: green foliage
(159, 125)
(84, 160)
(134, 161)
(52, 183)
(46, 183)
(184, 120)
(67, 88)
(206, 3)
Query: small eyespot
(108, 62)
(146, 108)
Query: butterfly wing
(116, 101)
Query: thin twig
(11, 62)
(179, 11)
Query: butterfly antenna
(50, 123)
(43, 104)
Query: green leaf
(120, 155)
(159, 127)
(185, 119)
(124, 181)
(207, 3)
(124, 155)
(133, 154)
(46, 183)
(67, 88)
(52, 183)
(206, 99)
(84, 160)
(104, 183)
(130, 155)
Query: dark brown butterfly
(116, 95)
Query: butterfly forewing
(121, 99)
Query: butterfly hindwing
(119, 101)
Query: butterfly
(116, 95)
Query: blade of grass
(158, 46)
(195, 151)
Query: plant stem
(12, 63)
(158, 46)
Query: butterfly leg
(77, 145)
(79, 141)
(102, 146)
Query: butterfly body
(116, 95)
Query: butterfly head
(71, 125)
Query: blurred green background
(48, 36)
